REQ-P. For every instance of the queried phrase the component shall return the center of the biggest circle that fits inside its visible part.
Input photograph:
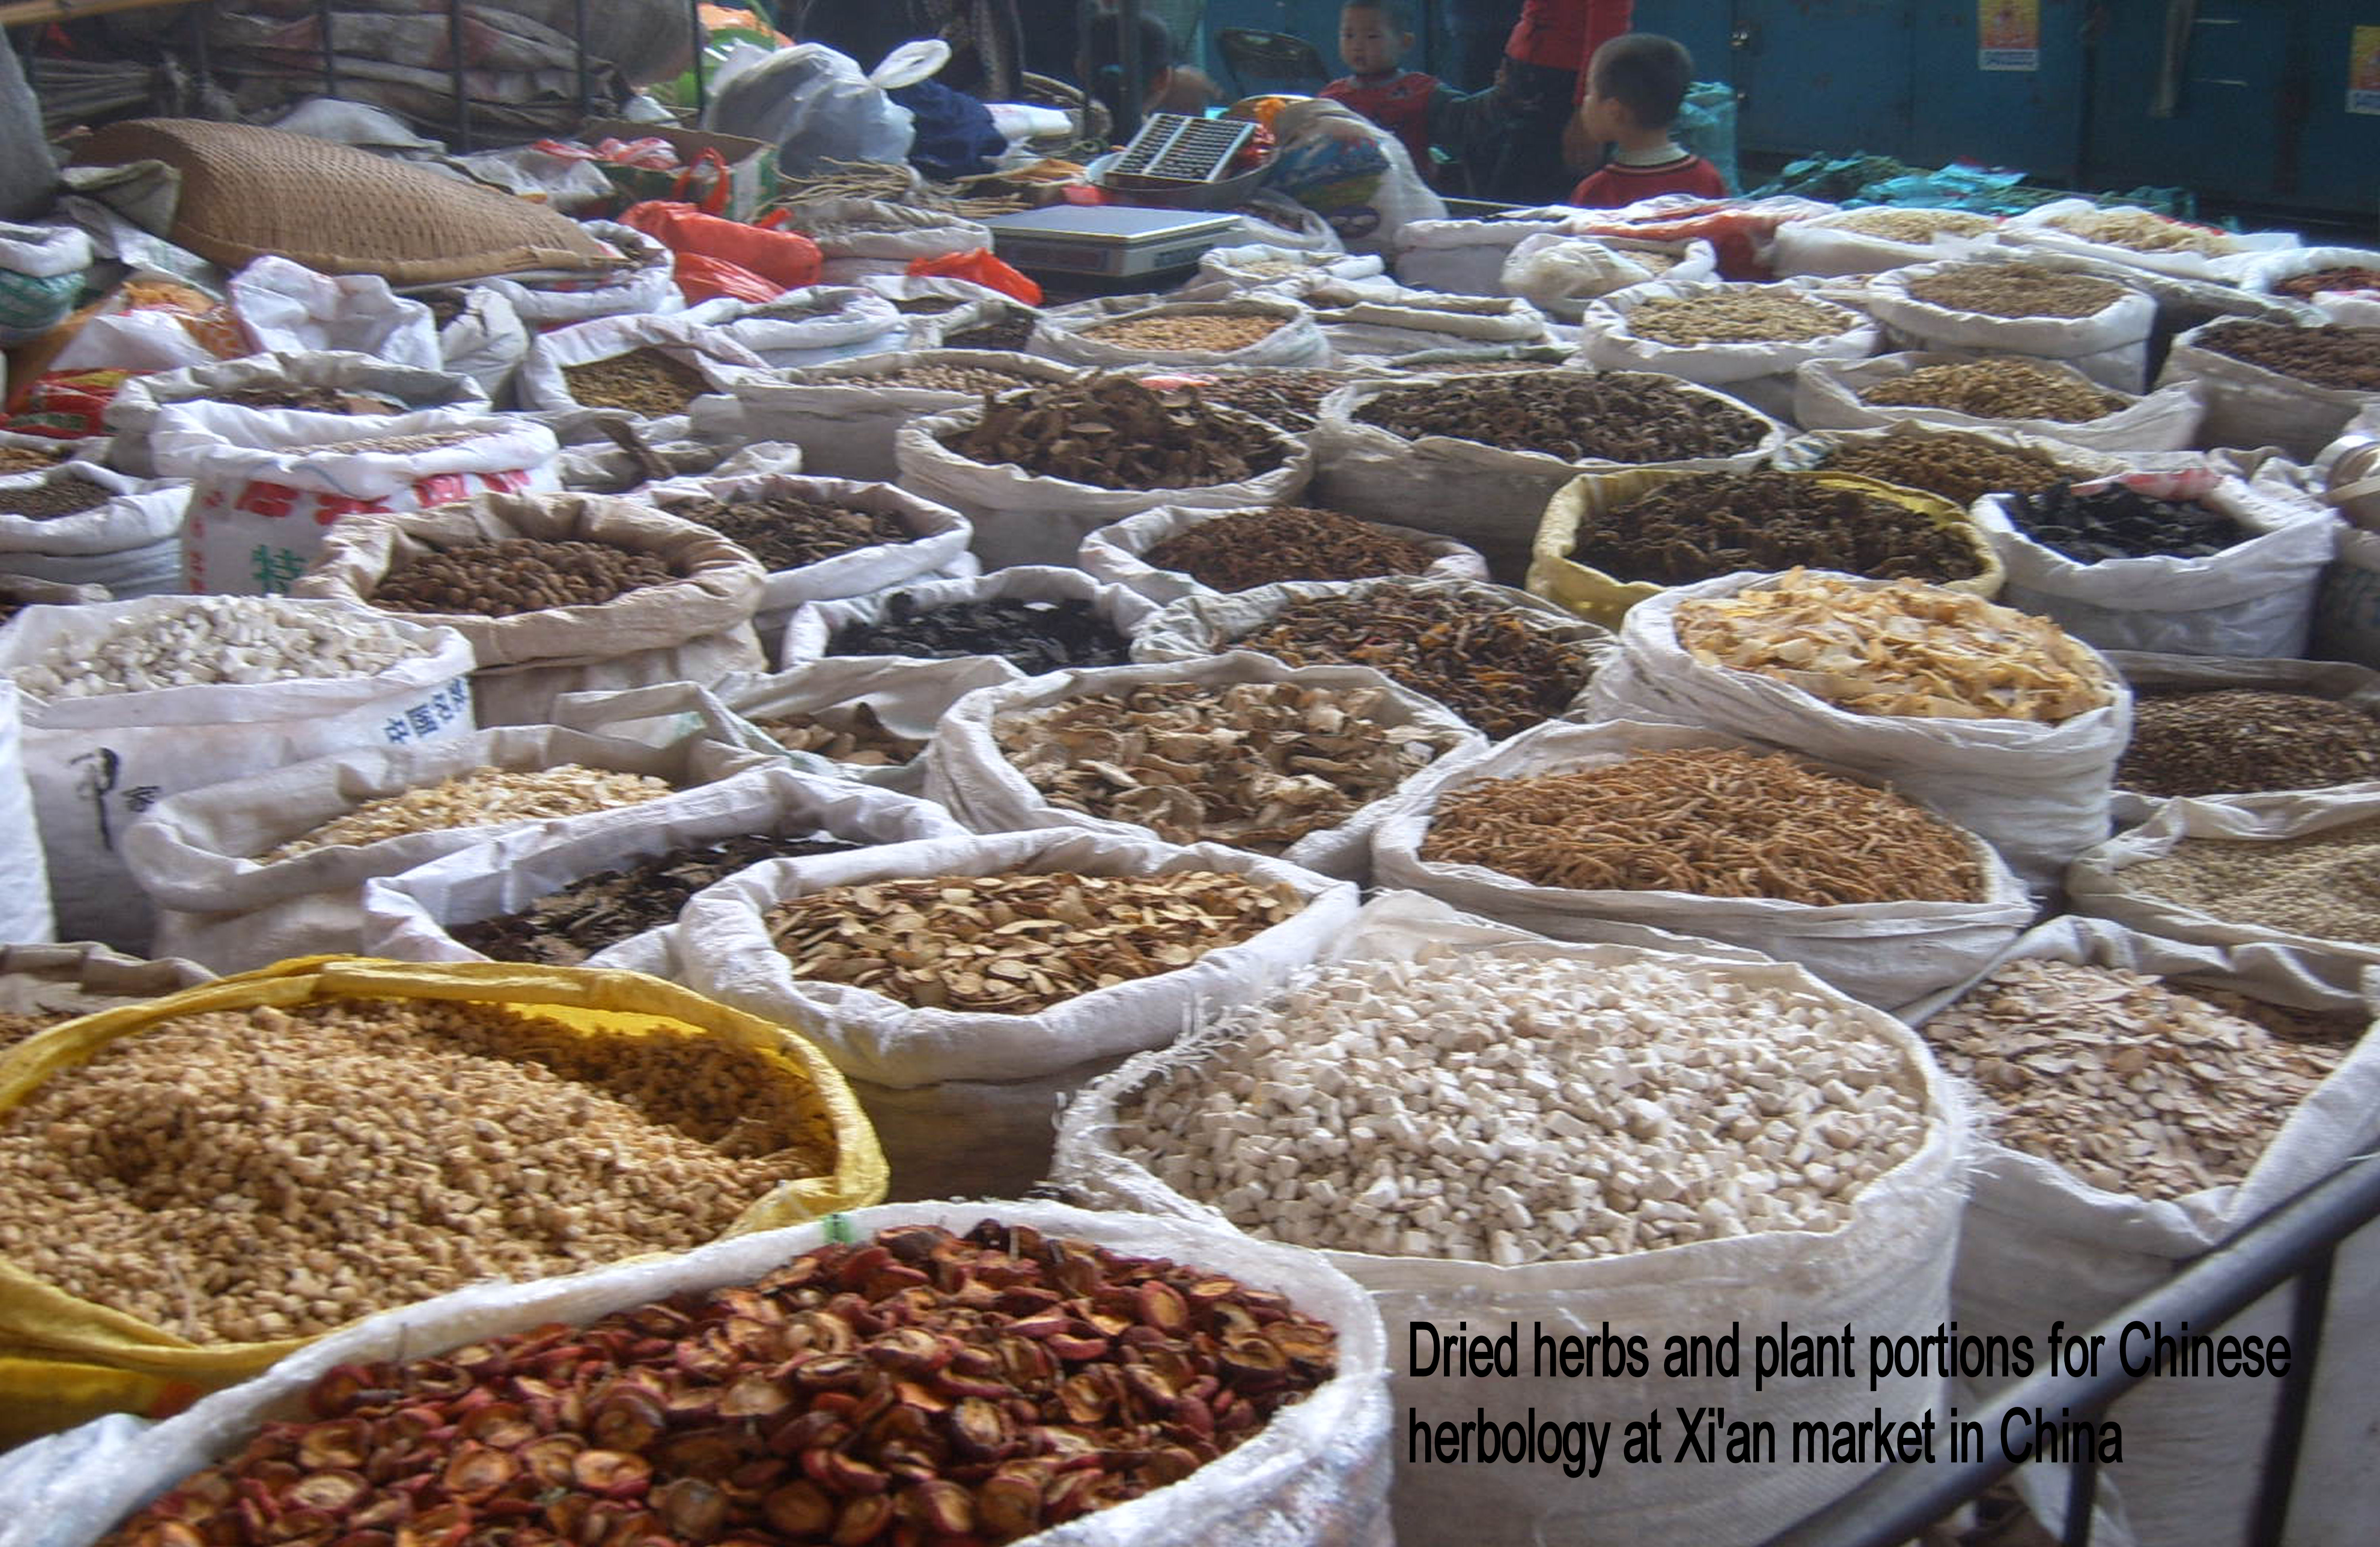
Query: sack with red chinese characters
(263, 492)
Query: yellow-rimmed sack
(57, 1351)
(1605, 599)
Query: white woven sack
(2037, 793)
(2240, 261)
(845, 422)
(95, 763)
(2096, 883)
(908, 698)
(1820, 246)
(787, 333)
(709, 442)
(1315, 1475)
(198, 855)
(709, 351)
(486, 342)
(814, 625)
(1885, 1272)
(975, 305)
(2339, 681)
(84, 978)
(1473, 492)
(1114, 554)
(2040, 1245)
(1287, 270)
(1826, 397)
(2255, 598)
(285, 305)
(966, 770)
(405, 914)
(2248, 406)
(647, 286)
(861, 237)
(966, 1101)
(144, 403)
(1884, 953)
(1809, 452)
(25, 901)
(1562, 276)
(2359, 309)
(150, 569)
(1023, 519)
(1760, 374)
(143, 512)
(939, 535)
(1069, 333)
(2109, 345)
(1463, 256)
(695, 628)
(1272, 219)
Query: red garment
(1398, 103)
(1564, 34)
(1616, 185)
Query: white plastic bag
(288, 306)
(937, 535)
(406, 913)
(846, 422)
(140, 407)
(645, 283)
(1021, 519)
(1115, 554)
(199, 856)
(1072, 333)
(1884, 953)
(1315, 1475)
(25, 900)
(2248, 406)
(2096, 884)
(814, 104)
(1760, 374)
(2255, 598)
(1463, 256)
(860, 239)
(485, 340)
(96, 763)
(1356, 174)
(40, 273)
(1363, 320)
(1826, 397)
(813, 325)
(2038, 793)
(1263, 266)
(1561, 275)
(2040, 1245)
(967, 770)
(1885, 1271)
(263, 495)
(719, 360)
(813, 625)
(697, 627)
(966, 1101)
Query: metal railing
(2299, 1242)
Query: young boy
(1634, 88)
(1373, 36)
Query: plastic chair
(1269, 61)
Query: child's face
(1603, 118)
(1369, 41)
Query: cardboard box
(751, 166)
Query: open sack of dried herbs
(964, 983)
(1475, 457)
(1037, 618)
(845, 414)
(2145, 1099)
(255, 870)
(2188, 563)
(1121, 333)
(1175, 551)
(1745, 339)
(1242, 749)
(202, 1183)
(1996, 720)
(1500, 659)
(2275, 384)
(1868, 241)
(2010, 393)
(2211, 725)
(606, 894)
(341, 382)
(1641, 834)
(2128, 236)
(1289, 1448)
(558, 593)
(2295, 874)
(1462, 1114)
(1039, 469)
(1961, 466)
(78, 523)
(1998, 305)
(640, 367)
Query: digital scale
(1108, 240)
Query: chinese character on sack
(275, 570)
(330, 508)
(446, 489)
(269, 500)
(424, 722)
(396, 731)
(140, 798)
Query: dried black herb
(1036, 637)
(2117, 522)
(785, 531)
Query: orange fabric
(1564, 34)
(785, 257)
(982, 268)
(702, 277)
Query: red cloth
(1398, 103)
(1564, 34)
(1616, 185)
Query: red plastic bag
(786, 258)
(1741, 231)
(702, 277)
(981, 267)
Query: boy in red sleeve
(1634, 88)
(1373, 36)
